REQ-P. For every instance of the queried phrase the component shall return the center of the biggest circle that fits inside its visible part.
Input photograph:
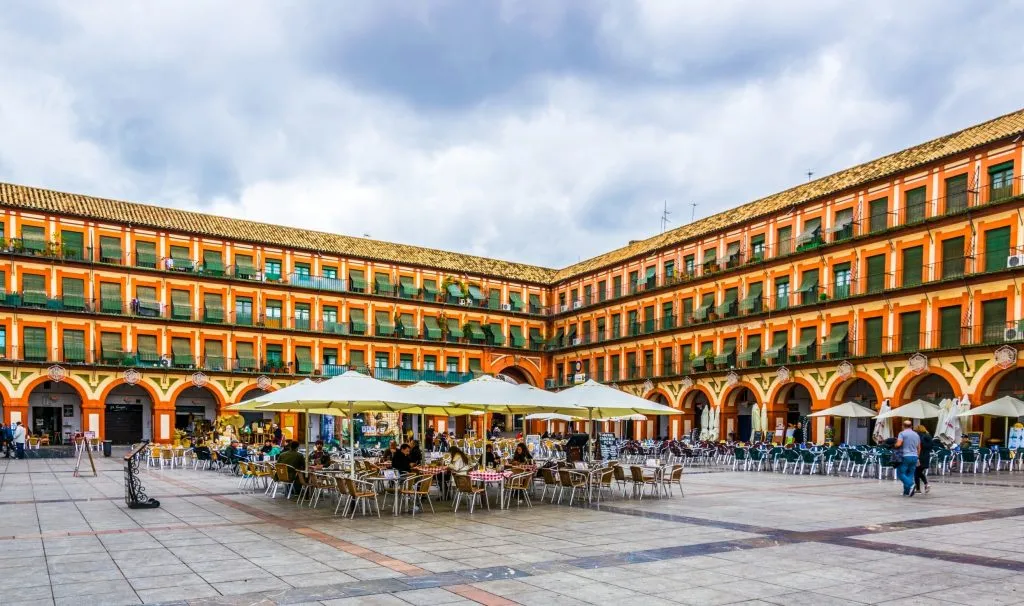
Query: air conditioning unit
(575, 342)
(466, 302)
(506, 307)
(579, 378)
(577, 304)
(563, 308)
(165, 361)
(1015, 261)
(1013, 334)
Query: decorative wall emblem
(918, 363)
(263, 382)
(200, 379)
(1006, 356)
(732, 378)
(686, 383)
(648, 385)
(844, 370)
(56, 373)
(132, 376)
(782, 374)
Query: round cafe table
(490, 477)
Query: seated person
(460, 463)
(415, 454)
(490, 460)
(240, 452)
(401, 462)
(293, 459)
(202, 452)
(390, 452)
(522, 454)
(319, 456)
(268, 446)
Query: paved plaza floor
(735, 538)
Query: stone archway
(515, 375)
(661, 425)
(194, 408)
(697, 400)
(128, 414)
(1010, 384)
(933, 388)
(742, 400)
(55, 410)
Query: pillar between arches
(93, 417)
(163, 422)
(16, 410)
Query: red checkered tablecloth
(431, 470)
(489, 476)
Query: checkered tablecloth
(524, 467)
(431, 470)
(489, 476)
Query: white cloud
(200, 106)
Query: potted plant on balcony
(709, 357)
(823, 297)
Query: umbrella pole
(423, 432)
(351, 442)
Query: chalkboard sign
(975, 438)
(609, 449)
(758, 437)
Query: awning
(534, 303)
(516, 300)
(701, 313)
(835, 338)
(407, 286)
(810, 232)
(357, 318)
(433, 330)
(842, 222)
(383, 323)
(497, 335)
(517, 336)
(356, 280)
(382, 282)
(801, 348)
(475, 293)
(710, 255)
(774, 352)
(753, 296)
(748, 355)
(408, 326)
(571, 334)
(809, 283)
(454, 291)
(732, 250)
(454, 330)
(727, 350)
(698, 362)
(726, 306)
(557, 340)
(536, 337)
(476, 332)
(430, 289)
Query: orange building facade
(895, 279)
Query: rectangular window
(616, 286)
(782, 292)
(632, 370)
(687, 312)
(956, 194)
(949, 326)
(1000, 181)
(997, 248)
(244, 355)
(667, 366)
(74, 346)
(685, 352)
(243, 311)
(876, 273)
(451, 364)
(648, 370)
(910, 331)
(272, 314)
(616, 326)
(757, 249)
(244, 269)
(303, 359)
(649, 319)
(669, 269)
(809, 287)
(181, 258)
(357, 359)
(330, 318)
(430, 363)
(873, 336)
(33, 239)
(616, 368)
(953, 258)
(405, 361)
(668, 319)
(632, 323)
(181, 352)
(213, 263)
(275, 357)
(213, 354)
(330, 358)
(34, 343)
(879, 215)
(110, 297)
(915, 203)
(145, 254)
(602, 290)
(33, 290)
(302, 316)
(302, 270)
(843, 227)
(181, 306)
(72, 244)
(710, 260)
(331, 273)
(634, 281)
(213, 307)
(111, 351)
(110, 250)
(273, 270)
(841, 281)
(601, 335)
(588, 294)
(72, 293)
(913, 259)
(784, 240)
(993, 318)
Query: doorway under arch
(743, 399)
(193, 408)
(933, 388)
(128, 415)
(662, 422)
(55, 410)
(796, 401)
(699, 401)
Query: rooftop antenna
(366, 235)
(810, 173)
(693, 211)
(664, 217)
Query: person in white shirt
(19, 440)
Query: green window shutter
(497, 334)
(357, 358)
(516, 334)
(181, 348)
(475, 293)
(213, 262)
(408, 324)
(275, 354)
(997, 248)
(836, 343)
(431, 327)
(430, 290)
(213, 307)
(33, 289)
(1000, 181)
(956, 194)
(752, 302)
(181, 306)
(111, 350)
(910, 331)
(516, 301)
(383, 324)
(953, 258)
(33, 238)
(244, 268)
(949, 326)
(752, 353)
(474, 366)
(809, 286)
(494, 299)
(879, 215)
(993, 318)
(147, 352)
(74, 345)
(146, 294)
(454, 330)
(534, 304)
(913, 258)
(303, 270)
(213, 355)
(72, 244)
(244, 353)
(145, 254)
(110, 298)
(110, 250)
(303, 360)
(476, 333)
(536, 339)
(915, 201)
(181, 257)
(382, 284)
(876, 273)
(73, 293)
(356, 281)
(34, 341)
(873, 336)
(784, 243)
(407, 287)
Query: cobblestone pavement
(735, 538)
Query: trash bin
(106, 447)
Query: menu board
(975, 438)
(608, 446)
(533, 443)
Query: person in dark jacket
(400, 460)
(923, 460)
(415, 454)
(798, 434)
(429, 440)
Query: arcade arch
(128, 414)
(55, 411)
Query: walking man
(908, 443)
(6, 439)
(19, 440)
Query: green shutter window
(953, 258)
(728, 306)
(213, 308)
(910, 331)
(710, 259)
(536, 339)
(356, 281)
(73, 343)
(516, 335)
(454, 293)
(72, 245)
(357, 321)
(245, 356)
(181, 306)
(475, 367)
(805, 347)
(949, 326)
(408, 325)
(357, 359)
(213, 263)
(33, 239)
(431, 328)
(272, 270)
(843, 227)
(915, 205)
(785, 241)
(33, 290)
(752, 303)
(876, 273)
(110, 298)
(382, 284)
(913, 258)
(111, 349)
(181, 350)
(383, 324)
(407, 287)
(302, 316)
(302, 270)
(275, 357)
(651, 275)
(34, 342)
(841, 280)
(1000, 180)
(727, 353)
(516, 301)
(213, 355)
(330, 273)
(454, 330)
(146, 352)
(73, 293)
(997, 248)
(110, 250)
(873, 336)
(751, 355)
(701, 313)
(475, 294)
(497, 334)
(835, 345)
(809, 287)
(494, 298)
(430, 290)
(303, 360)
(810, 237)
(476, 332)
(993, 317)
(244, 268)
(535, 304)
(145, 254)
(956, 194)
(181, 259)
(879, 215)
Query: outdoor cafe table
(492, 477)
(387, 485)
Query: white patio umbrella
(764, 419)
(432, 399)
(918, 409)
(705, 423)
(601, 401)
(1006, 406)
(883, 426)
(285, 394)
(755, 420)
(549, 416)
(947, 427)
(717, 427)
(846, 410)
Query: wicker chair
(464, 487)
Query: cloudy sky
(537, 131)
